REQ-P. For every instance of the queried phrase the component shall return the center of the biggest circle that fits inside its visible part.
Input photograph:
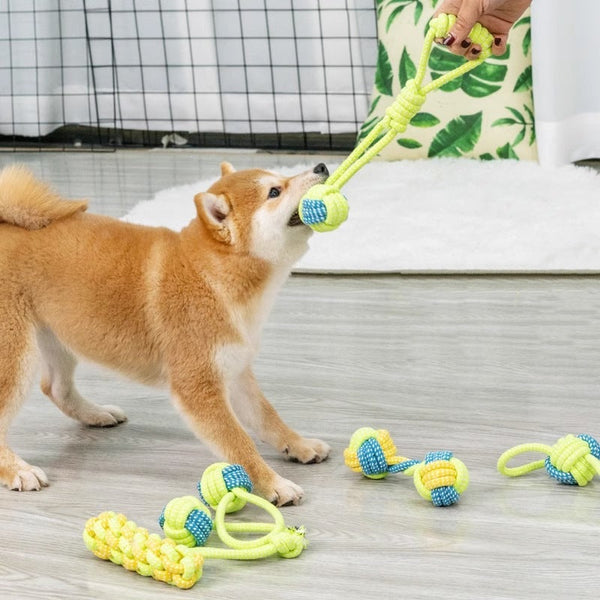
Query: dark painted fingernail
(465, 43)
(497, 41)
(448, 40)
(475, 51)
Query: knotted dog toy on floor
(111, 536)
(440, 477)
(187, 522)
(227, 488)
(324, 207)
(572, 460)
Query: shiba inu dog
(178, 309)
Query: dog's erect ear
(226, 169)
(213, 211)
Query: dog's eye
(274, 192)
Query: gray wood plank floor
(471, 364)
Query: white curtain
(186, 65)
(566, 79)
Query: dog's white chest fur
(248, 320)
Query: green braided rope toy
(226, 489)
(187, 524)
(572, 460)
(324, 207)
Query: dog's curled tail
(29, 203)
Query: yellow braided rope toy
(187, 522)
(572, 460)
(440, 477)
(111, 536)
(324, 207)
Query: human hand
(497, 16)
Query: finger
(463, 48)
(449, 7)
(467, 16)
(474, 52)
(499, 45)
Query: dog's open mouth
(295, 220)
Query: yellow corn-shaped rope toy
(113, 537)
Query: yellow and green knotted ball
(371, 452)
(323, 208)
(441, 478)
(574, 460)
(218, 480)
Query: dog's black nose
(321, 169)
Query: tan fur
(181, 309)
(29, 203)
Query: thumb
(468, 14)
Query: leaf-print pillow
(486, 113)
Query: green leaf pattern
(383, 74)
(407, 68)
(424, 119)
(486, 113)
(408, 143)
(458, 137)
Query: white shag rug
(443, 216)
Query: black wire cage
(101, 74)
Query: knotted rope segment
(324, 207)
(572, 460)
(440, 477)
(110, 536)
(187, 523)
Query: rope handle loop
(221, 526)
(407, 104)
(526, 468)
(572, 460)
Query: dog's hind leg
(16, 369)
(58, 366)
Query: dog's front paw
(28, 478)
(105, 416)
(308, 451)
(283, 492)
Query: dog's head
(256, 212)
